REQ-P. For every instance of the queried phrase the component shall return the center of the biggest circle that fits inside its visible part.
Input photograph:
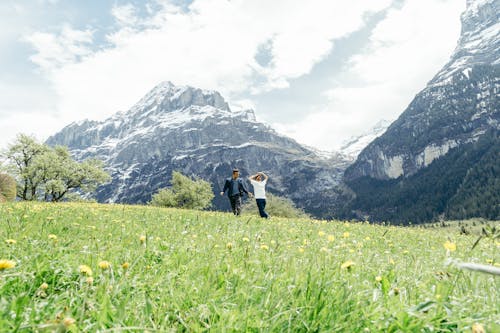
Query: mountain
(456, 114)
(194, 131)
(354, 145)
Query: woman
(259, 181)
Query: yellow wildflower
(10, 241)
(68, 321)
(6, 264)
(450, 246)
(245, 239)
(301, 250)
(378, 278)
(264, 247)
(44, 286)
(84, 269)
(391, 261)
(142, 239)
(347, 265)
(346, 234)
(104, 264)
(478, 328)
(331, 238)
(89, 280)
(321, 233)
(229, 245)
(125, 265)
(53, 237)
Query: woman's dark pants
(261, 203)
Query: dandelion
(104, 264)
(229, 245)
(264, 247)
(10, 241)
(301, 250)
(378, 278)
(125, 265)
(346, 234)
(367, 238)
(391, 261)
(44, 286)
(331, 238)
(6, 264)
(245, 239)
(323, 249)
(478, 328)
(89, 280)
(86, 270)
(321, 233)
(53, 237)
(450, 246)
(347, 265)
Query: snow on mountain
(354, 145)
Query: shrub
(184, 193)
(275, 206)
(7, 188)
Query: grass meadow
(116, 268)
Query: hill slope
(92, 267)
(459, 107)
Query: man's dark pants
(261, 203)
(236, 204)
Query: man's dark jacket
(228, 185)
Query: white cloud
(405, 51)
(212, 46)
(125, 15)
(56, 51)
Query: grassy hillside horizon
(117, 268)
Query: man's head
(236, 173)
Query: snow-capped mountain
(354, 145)
(458, 105)
(441, 157)
(195, 132)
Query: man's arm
(244, 188)
(264, 175)
(226, 186)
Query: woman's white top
(259, 188)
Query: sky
(319, 71)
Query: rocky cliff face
(458, 105)
(440, 159)
(195, 132)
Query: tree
(62, 173)
(21, 156)
(184, 193)
(276, 206)
(49, 173)
(7, 188)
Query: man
(259, 181)
(235, 188)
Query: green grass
(209, 271)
